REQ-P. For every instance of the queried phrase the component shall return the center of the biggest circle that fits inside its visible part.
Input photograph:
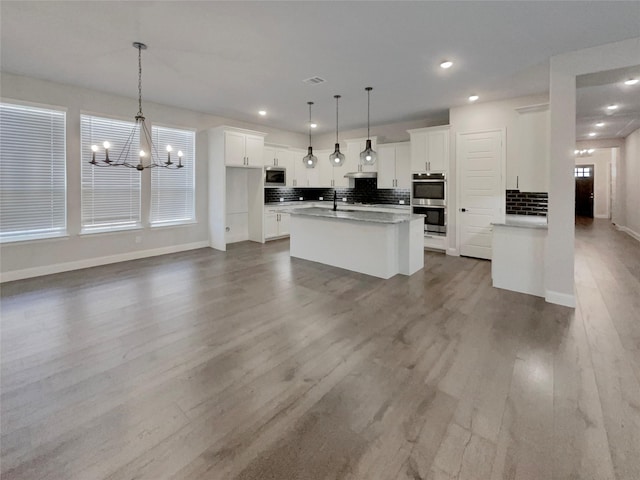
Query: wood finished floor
(250, 365)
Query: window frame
(194, 218)
(53, 233)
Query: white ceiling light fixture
(592, 134)
(631, 81)
(143, 131)
(314, 125)
(612, 107)
(368, 156)
(337, 158)
(473, 98)
(310, 159)
(446, 64)
(262, 113)
(584, 152)
(600, 124)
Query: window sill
(111, 230)
(26, 239)
(186, 223)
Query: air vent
(314, 80)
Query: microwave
(429, 189)
(275, 177)
(435, 219)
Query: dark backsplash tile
(527, 203)
(365, 191)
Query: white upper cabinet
(532, 170)
(430, 149)
(280, 156)
(394, 169)
(354, 147)
(303, 176)
(243, 148)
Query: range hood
(361, 175)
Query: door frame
(593, 185)
(503, 177)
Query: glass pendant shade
(368, 156)
(310, 160)
(337, 158)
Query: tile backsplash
(365, 191)
(527, 203)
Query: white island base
(367, 244)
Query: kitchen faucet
(335, 201)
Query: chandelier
(584, 152)
(141, 128)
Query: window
(582, 172)
(110, 195)
(32, 173)
(172, 191)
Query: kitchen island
(380, 244)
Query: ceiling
(235, 58)
(595, 92)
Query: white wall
(632, 184)
(38, 257)
(559, 259)
(602, 159)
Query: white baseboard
(628, 231)
(94, 262)
(564, 299)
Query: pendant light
(337, 158)
(368, 156)
(310, 159)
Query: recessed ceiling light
(473, 98)
(262, 113)
(313, 125)
(612, 107)
(592, 134)
(600, 124)
(446, 64)
(591, 150)
(631, 81)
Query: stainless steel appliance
(429, 189)
(275, 177)
(435, 219)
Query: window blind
(32, 172)
(172, 191)
(110, 195)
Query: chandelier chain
(140, 80)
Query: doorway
(584, 175)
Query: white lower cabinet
(276, 225)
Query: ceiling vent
(314, 80)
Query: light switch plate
(401, 202)
(300, 198)
(281, 199)
(344, 199)
(320, 198)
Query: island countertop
(356, 215)
(523, 221)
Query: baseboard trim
(628, 231)
(564, 299)
(97, 261)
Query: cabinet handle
(517, 182)
(426, 165)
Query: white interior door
(480, 161)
